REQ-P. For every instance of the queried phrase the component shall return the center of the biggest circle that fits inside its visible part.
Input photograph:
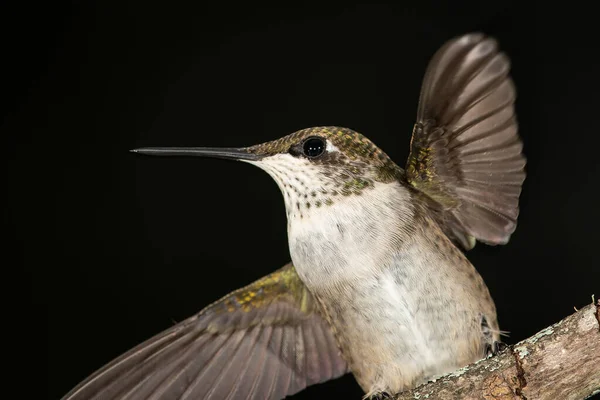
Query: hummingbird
(379, 284)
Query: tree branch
(559, 362)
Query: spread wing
(264, 341)
(465, 153)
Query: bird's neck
(351, 237)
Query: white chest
(351, 238)
(403, 310)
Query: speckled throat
(351, 166)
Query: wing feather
(265, 341)
(466, 154)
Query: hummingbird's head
(314, 167)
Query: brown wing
(264, 341)
(465, 153)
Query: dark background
(113, 247)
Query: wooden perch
(561, 362)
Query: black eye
(313, 147)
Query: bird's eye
(313, 147)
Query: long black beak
(213, 152)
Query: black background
(114, 247)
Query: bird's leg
(495, 348)
(379, 395)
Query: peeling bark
(559, 362)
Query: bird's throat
(352, 237)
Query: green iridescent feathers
(465, 152)
(358, 151)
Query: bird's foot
(379, 395)
(495, 348)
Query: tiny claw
(495, 348)
(380, 396)
(499, 347)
